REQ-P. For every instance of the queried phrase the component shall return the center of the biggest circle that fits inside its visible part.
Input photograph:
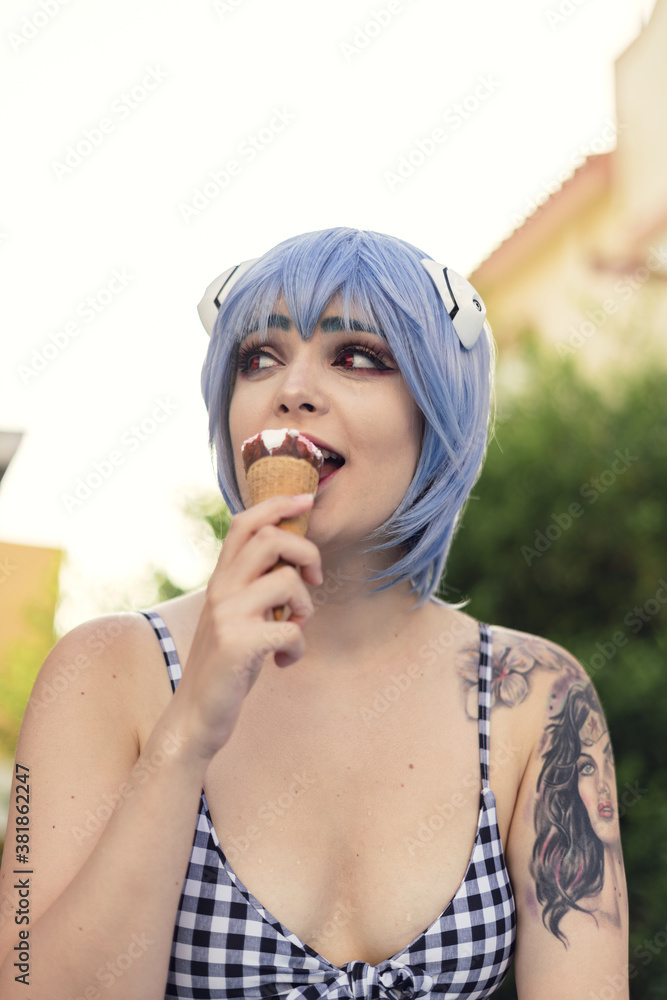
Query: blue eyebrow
(331, 324)
(276, 321)
(334, 324)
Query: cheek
(610, 782)
(239, 430)
(406, 428)
(588, 793)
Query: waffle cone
(282, 475)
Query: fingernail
(303, 496)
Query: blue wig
(382, 279)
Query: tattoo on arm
(576, 815)
(512, 664)
(576, 861)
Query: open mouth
(606, 810)
(332, 462)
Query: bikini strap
(484, 713)
(167, 646)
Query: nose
(607, 780)
(300, 387)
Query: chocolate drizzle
(292, 445)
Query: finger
(271, 545)
(282, 640)
(270, 511)
(284, 587)
(258, 599)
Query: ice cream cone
(284, 475)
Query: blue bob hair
(382, 279)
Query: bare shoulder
(526, 669)
(107, 668)
(122, 646)
(110, 647)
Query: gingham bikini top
(226, 945)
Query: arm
(564, 853)
(98, 888)
(110, 835)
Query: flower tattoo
(511, 666)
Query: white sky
(220, 72)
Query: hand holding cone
(282, 463)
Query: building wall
(28, 594)
(588, 270)
(641, 102)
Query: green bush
(565, 537)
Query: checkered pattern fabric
(227, 946)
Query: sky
(148, 147)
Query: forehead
(592, 730)
(335, 317)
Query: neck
(352, 624)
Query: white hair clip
(217, 292)
(463, 303)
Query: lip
(606, 810)
(321, 444)
(327, 479)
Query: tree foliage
(566, 538)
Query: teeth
(329, 454)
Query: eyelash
(248, 351)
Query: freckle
(114, 676)
(411, 765)
(71, 796)
(82, 692)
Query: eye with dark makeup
(586, 766)
(250, 355)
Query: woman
(358, 833)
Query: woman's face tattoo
(597, 787)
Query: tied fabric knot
(399, 982)
(388, 981)
(360, 981)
